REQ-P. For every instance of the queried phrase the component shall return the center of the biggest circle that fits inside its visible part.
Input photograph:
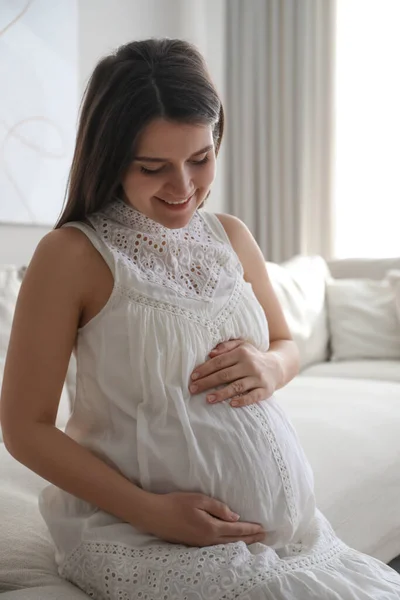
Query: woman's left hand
(249, 374)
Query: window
(367, 107)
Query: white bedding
(350, 430)
(26, 552)
(62, 591)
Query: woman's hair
(141, 81)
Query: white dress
(177, 294)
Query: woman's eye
(150, 171)
(197, 163)
(200, 162)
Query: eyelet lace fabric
(287, 484)
(212, 325)
(225, 572)
(188, 260)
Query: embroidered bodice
(186, 260)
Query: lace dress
(178, 293)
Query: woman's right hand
(197, 520)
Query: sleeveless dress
(177, 294)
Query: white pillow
(9, 289)
(362, 319)
(300, 288)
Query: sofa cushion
(350, 432)
(10, 283)
(9, 289)
(362, 268)
(384, 370)
(300, 287)
(394, 278)
(362, 319)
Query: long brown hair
(141, 81)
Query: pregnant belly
(249, 458)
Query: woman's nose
(180, 185)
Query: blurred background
(311, 156)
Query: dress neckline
(128, 216)
(188, 260)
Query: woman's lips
(177, 205)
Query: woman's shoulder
(69, 238)
(66, 247)
(233, 226)
(238, 233)
(244, 244)
(68, 252)
(67, 265)
(227, 227)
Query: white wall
(106, 24)
(18, 242)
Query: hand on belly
(196, 520)
(247, 374)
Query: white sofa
(347, 409)
(345, 405)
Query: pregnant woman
(178, 477)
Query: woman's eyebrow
(154, 159)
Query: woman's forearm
(286, 354)
(57, 458)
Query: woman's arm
(248, 374)
(282, 348)
(60, 288)
(48, 312)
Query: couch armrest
(362, 268)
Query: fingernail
(235, 403)
(211, 398)
(195, 376)
(235, 517)
(193, 388)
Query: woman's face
(172, 171)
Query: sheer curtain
(367, 182)
(279, 92)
